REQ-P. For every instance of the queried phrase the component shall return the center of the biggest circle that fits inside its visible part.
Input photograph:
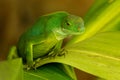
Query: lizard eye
(68, 23)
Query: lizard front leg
(28, 50)
(29, 54)
(57, 50)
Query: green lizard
(46, 36)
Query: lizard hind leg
(12, 53)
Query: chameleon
(45, 37)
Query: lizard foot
(30, 66)
(63, 52)
(53, 54)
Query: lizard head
(73, 25)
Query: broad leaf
(98, 55)
(113, 25)
(47, 72)
(98, 18)
(11, 70)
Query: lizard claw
(53, 54)
(62, 52)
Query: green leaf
(98, 55)
(97, 7)
(99, 79)
(11, 70)
(113, 25)
(47, 72)
(98, 18)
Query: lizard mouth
(71, 32)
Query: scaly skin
(46, 35)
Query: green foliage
(105, 15)
(11, 70)
(96, 51)
(98, 55)
(46, 72)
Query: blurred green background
(17, 15)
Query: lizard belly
(43, 49)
